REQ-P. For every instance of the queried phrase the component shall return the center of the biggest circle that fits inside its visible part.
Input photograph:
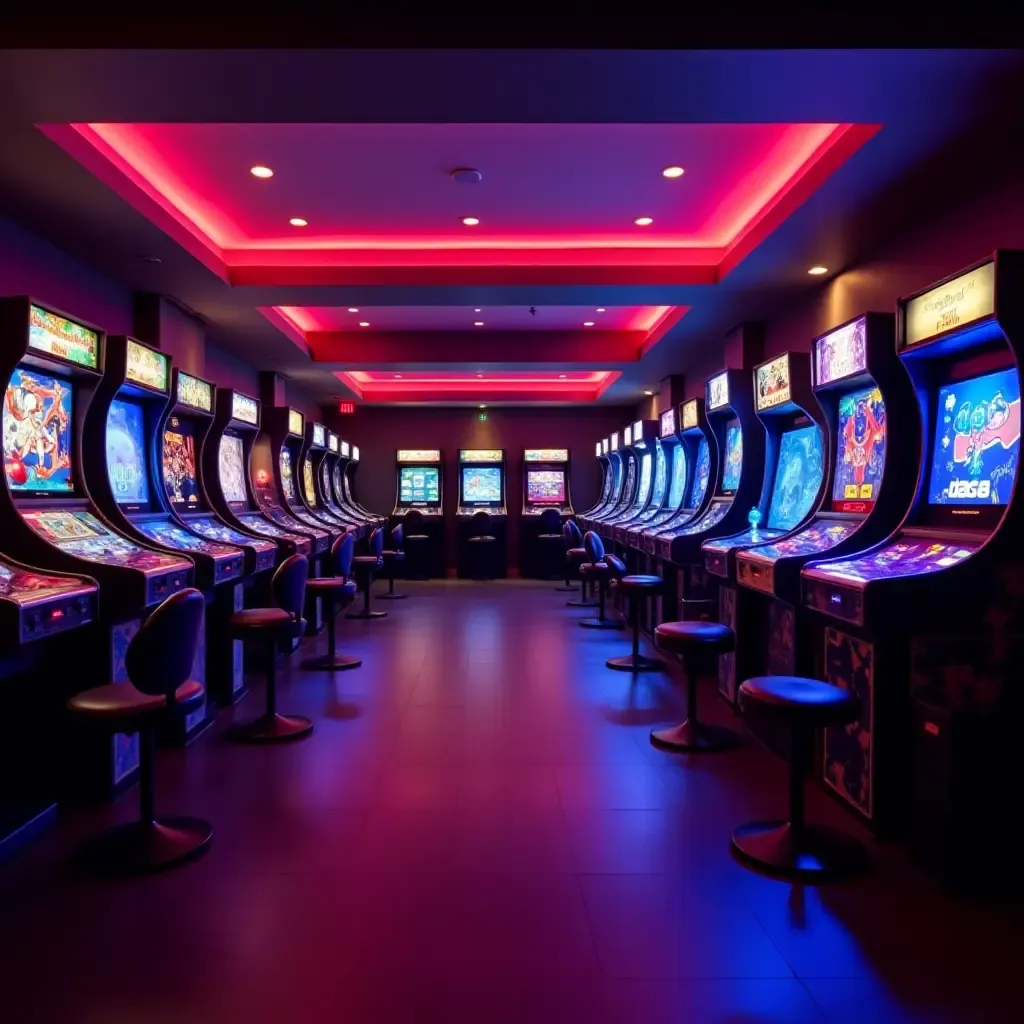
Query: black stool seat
(275, 620)
(482, 539)
(417, 536)
(367, 559)
(595, 569)
(123, 701)
(636, 588)
(641, 582)
(691, 640)
(336, 585)
(793, 849)
(336, 591)
(576, 553)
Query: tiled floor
(479, 831)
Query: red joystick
(16, 472)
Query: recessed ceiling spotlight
(478, 323)
(398, 376)
(675, 171)
(364, 323)
(352, 309)
(298, 222)
(648, 392)
(477, 310)
(561, 376)
(817, 271)
(480, 375)
(259, 171)
(471, 222)
(642, 222)
(588, 323)
(483, 406)
(600, 309)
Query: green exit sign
(482, 416)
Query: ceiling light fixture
(483, 406)
(477, 311)
(588, 323)
(363, 323)
(600, 309)
(480, 375)
(561, 376)
(675, 171)
(471, 222)
(817, 271)
(259, 171)
(298, 222)
(398, 376)
(642, 222)
(478, 323)
(352, 309)
(648, 393)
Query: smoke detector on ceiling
(467, 175)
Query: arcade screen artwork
(126, 453)
(904, 558)
(818, 537)
(481, 483)
(701, 474)
(24, 587)
(675, 492)
(797, 477)
(545, 486)
(307, 482)
(645, 479)
(172, 535)
(232, 468)
(179, 463)
(861, 450)
(37, 433)
(977, 441)
(660, 476)
(841, 353)
(287, 480)
(418, 483)
(733, 457)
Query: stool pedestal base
(141, 847)
(330, 663)
(270, 728)
(635, 663)
(593, 622)
(694, 738)
(813, 852)
(566, 588)
(365, 615)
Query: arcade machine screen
(675, 492)
(307, 482)
(797, 478)
(126, 453)
(733, 457)
(645, 479)
(702, 474)
(179, 462)
(977, 441)
(232, 469)
(481, 484)
(418, 483)
(287, 479)
(861, 450)
(37, 434)
(545, 486)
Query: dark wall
(379, 432)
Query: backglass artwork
(37, 426)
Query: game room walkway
(478, 830)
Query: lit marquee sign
(245, 409)
(597, 449)
(668, 423)
(547, 454)
(841, 353)
(627, 436)
(63, 339)
(195, 393)
(772, 383)
(604, 446)
(146, 367)
(419, 455)
(718, 391)
(346, 449)
(332, 442)
(319, 435)
(690, 414)
(355, 453)
(615, 441)
(951, 306)
(295, 422)
(480, 455)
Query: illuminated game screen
(232, 468)
(307, 482)
(701, 474)
(733, 457)
(481, 483)
(545, 486)
(645, 479)
(418, 483)
(675, 492)
(860, 450)
(797, 477)
(977, 441)
(660, 476)
(126, 453)
(37, 433)
(179, 465)
(287, 480)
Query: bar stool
(392, 556)
(549, 544)
(794, 849)
(158, 662)
(598, 568)
(482, 544)
(575, 556)
(366, 567)
(691, 641)
(338, 592)
(416, 545)
(274, 625)
(637, 589)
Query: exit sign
(482, 416)
(347, 408)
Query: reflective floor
(478, 830)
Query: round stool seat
(805, 702)
(641, 583)
(417, 536)
(616, 564)
(482, 539)
(694, 637)
(594, 569)
(331, 585)
(576, 553)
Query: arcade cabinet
(868, 403)
(419, 486)
(311, 456)
(604, 524)
(666, 445)
(793, 486)
(326, 473)
(610, 449)
(607, 479)
(348, 463)
(926, 626)
(53, 365)
(126, 477)
(481, 489)
(545, 485)
(226, 460)
(734, 485)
